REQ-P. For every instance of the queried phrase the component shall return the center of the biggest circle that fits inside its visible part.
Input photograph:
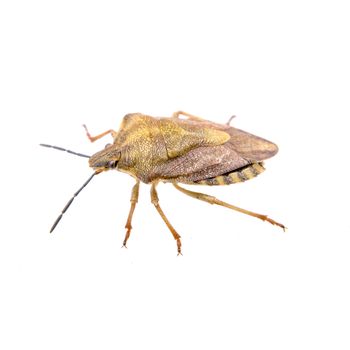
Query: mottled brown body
(187, 151)
(191, 151)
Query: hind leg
(212, 200)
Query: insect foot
(273, 222)
(178, 241)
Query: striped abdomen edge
(239, 175)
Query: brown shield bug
(191, 151)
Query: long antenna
(65, 150)
(71, 201)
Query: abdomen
(239, 175)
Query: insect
(190, 150)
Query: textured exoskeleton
(190, 151)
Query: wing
(182, 136)
(250, 146)
(203, 162)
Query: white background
(282, 68)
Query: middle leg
(190, 116)
(155, 202)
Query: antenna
(71, 201)
(65, 150)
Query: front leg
(134, 198)
(95, 138)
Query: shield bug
(190, 150)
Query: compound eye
(112, 164)
(107, 145)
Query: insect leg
(190, 116)
(133, 200)
(94, 138)
(212, 200)
(155, 202)
(229, 121)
